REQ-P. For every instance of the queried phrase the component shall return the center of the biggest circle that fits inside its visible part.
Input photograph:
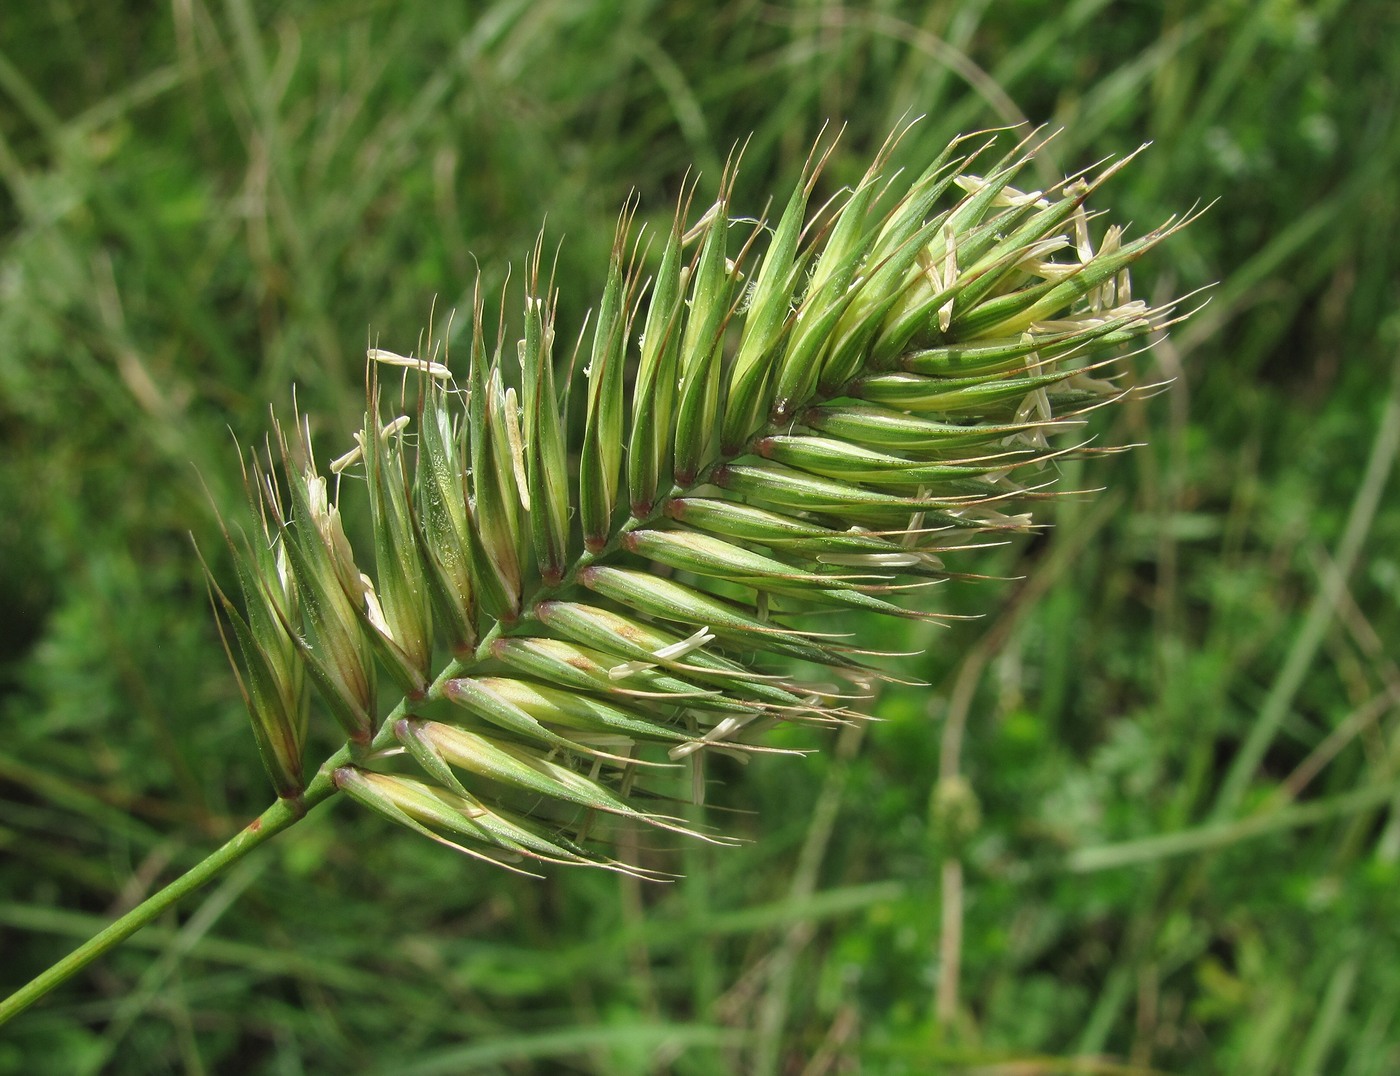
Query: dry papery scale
(824, 413)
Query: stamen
(425, 366)
(665, 653)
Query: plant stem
(1322, 610)
(1213, 835)
(280, 816)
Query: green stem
(281, 815)
(1213, 835)
(274, 820)
(1318, 621)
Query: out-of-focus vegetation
(1168, 836)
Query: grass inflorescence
(826, 410)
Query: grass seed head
(817, 409)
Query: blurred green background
(1168, 838)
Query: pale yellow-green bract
(822, 411)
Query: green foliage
(203, 205)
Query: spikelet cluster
(786, 419)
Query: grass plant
(201, 204)
(815, 428)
